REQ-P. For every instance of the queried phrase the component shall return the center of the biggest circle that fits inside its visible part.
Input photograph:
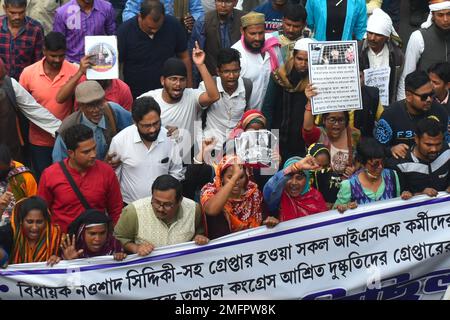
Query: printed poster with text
(334, 72)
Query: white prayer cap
(380, 22)
(302, 44)
(435, 5)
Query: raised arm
(212, 94)
(184, 56)
(215, 205)
(67, 91)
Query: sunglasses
(424, 96)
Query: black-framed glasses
(334, 121)
(424, 96)
(164, 205)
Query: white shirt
(414, 51)
(224, 114)
(34, 112)
(257, 69)
(185, 115)
(141, 166)
(181, 114)
(380, 59)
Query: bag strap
(109, 113)
(74, 186)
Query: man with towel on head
(285, 100)
(429, 44)
(260, 55)
(381, 48)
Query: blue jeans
(41, 158)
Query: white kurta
(257, 69)
(414, 51)
(224, 114)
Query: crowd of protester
(123, 166)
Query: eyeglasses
(225, 3)
(231, 72)
(155, 125)
(166, 206)
(336, 120)
(424, 96)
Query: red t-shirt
(99, 186)
(120, 93)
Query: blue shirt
(355, 21)
(274, 19)
(123, 120)
(132, 8)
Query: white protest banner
(334, 72)
(105, 57)
(391, 249)
(379, 77)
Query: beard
(149, 137)
(296, 76)
(432, 156)
(250, 48)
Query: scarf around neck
(282, 77)
(269, 46)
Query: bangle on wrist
(296, 167)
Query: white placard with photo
(334, 72)
(256, 147)
(105, 57)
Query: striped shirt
(75, 24)
(416, 175)
(22, 50)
